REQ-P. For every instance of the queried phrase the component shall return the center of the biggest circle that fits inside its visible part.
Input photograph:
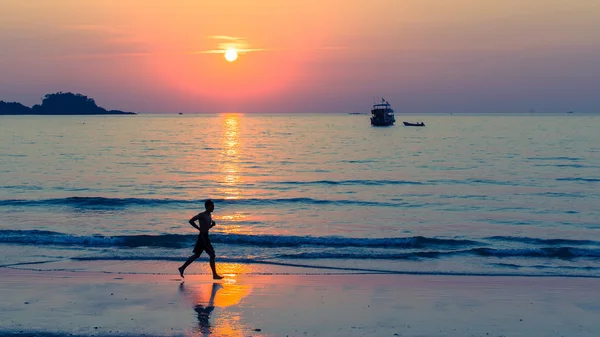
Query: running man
(205, 223)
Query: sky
(423, 56)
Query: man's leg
(213, 267)
(187, 263)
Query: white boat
(382, 114)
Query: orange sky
(305, 56)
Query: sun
(231, 54)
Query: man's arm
(193, 221)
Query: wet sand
(59, 303)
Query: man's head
(209, 205)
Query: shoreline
(57, 303)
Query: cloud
(229, 42)
(224, 37)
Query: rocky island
(60, 103)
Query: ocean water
(468, 195)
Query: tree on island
(14, 108)
(60, 103)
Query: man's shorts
(203, 244)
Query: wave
(103, 202)
(90, 201)
(563, 253)
(351, 182)
(562, 165)
(560, 194)
(540, 266)
(473, 181)
(414, 247)
(334, 241)
(555, 158)
(588, 180)
(22, 187)
(547, 252)
(40, 237)
(359, 161)
(540, 241)
(184, 240)
(363, 256)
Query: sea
(511, 195)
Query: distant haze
(456, 56)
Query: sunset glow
(303, 56)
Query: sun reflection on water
(230, 157)
(230, 173)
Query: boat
(382, 114)
(413, 124)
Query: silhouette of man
(205, 223)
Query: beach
(61, 303)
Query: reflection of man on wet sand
(203, 311)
